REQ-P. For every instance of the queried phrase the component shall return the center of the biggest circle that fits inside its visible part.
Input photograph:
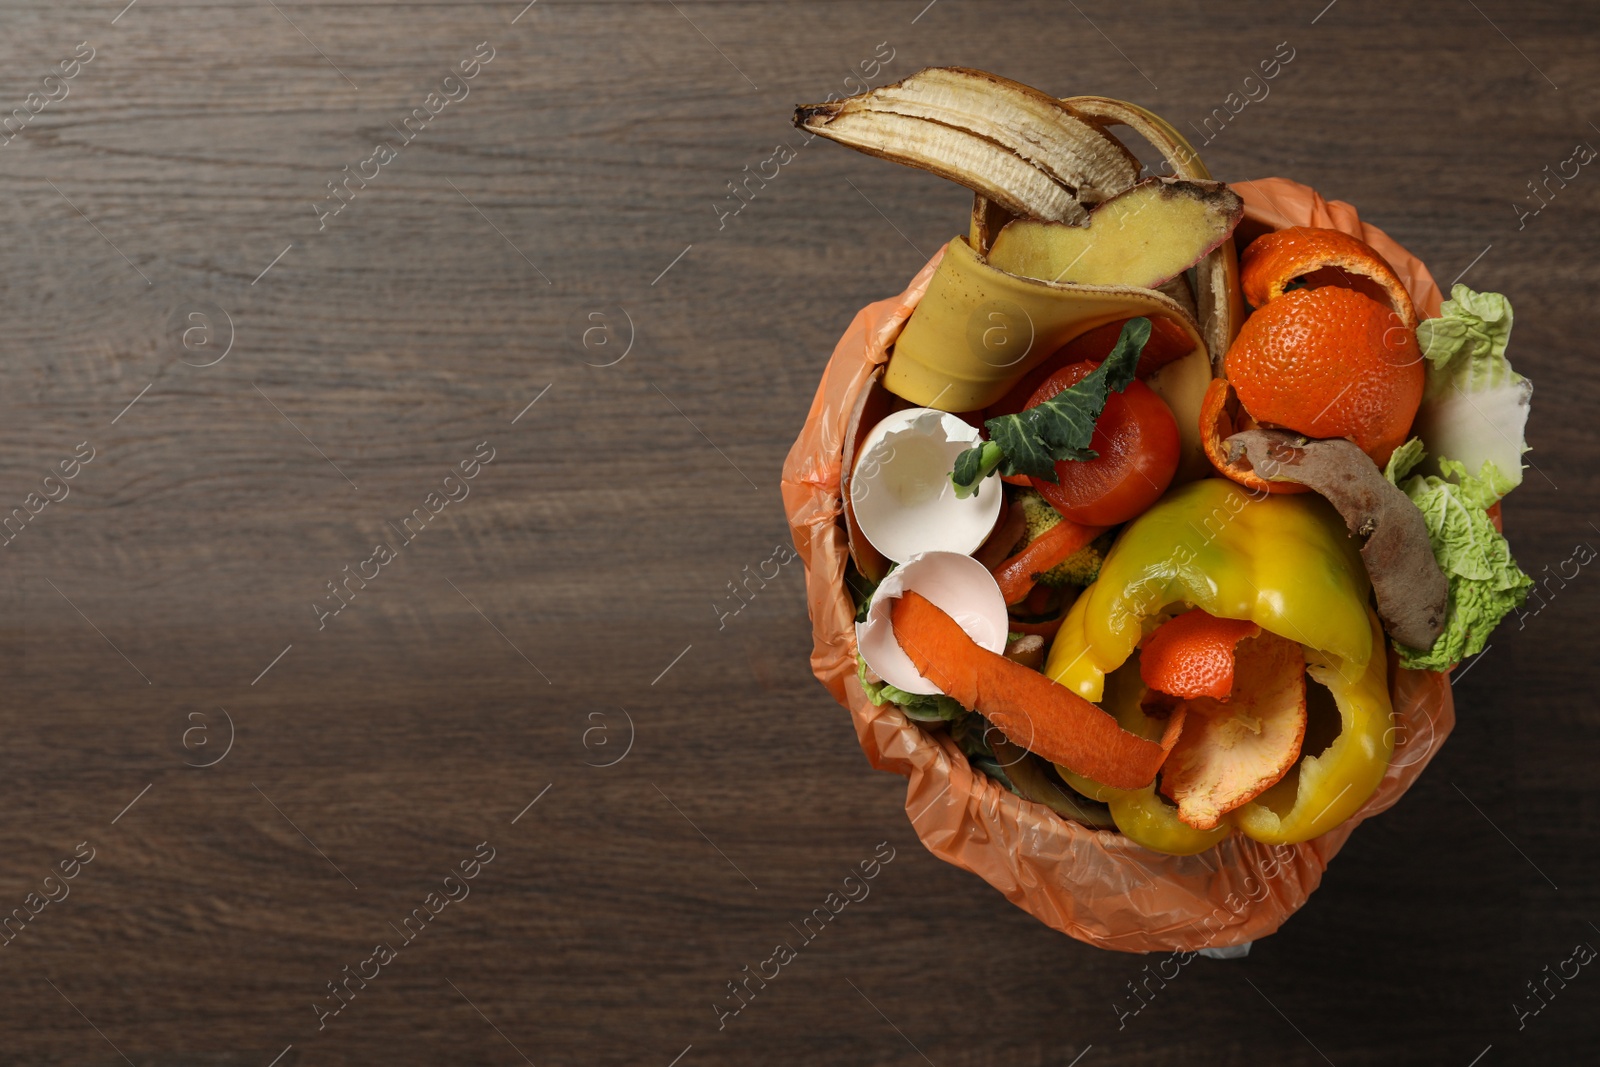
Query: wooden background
(502, 655)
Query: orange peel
(1191, 655)
(1274, 259)
(1330, 362)
(1217, 424)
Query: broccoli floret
(1080, 568)
(1040, 515)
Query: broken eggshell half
(900, 490)
(958, 585)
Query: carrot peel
(1030, 709)
(1018, 574)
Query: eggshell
(954, 582)
(900, 490)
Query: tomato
(1137, 441)
(1168, 342)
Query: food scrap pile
(1149, 496)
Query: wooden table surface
(545, 283)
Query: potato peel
(1412, 592)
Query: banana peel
(1025, 154)
(979, 329)
(1017, 146)
(1007, 325)
(1221, 306)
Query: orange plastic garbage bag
(1092, 884)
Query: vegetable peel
(1028, 708)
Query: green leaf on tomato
(1032, 442)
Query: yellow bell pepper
(1324, 790)
(1142, 816)
(1284, 562)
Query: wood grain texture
(591, 154)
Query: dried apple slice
(1231, 752)
(1145, 237)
